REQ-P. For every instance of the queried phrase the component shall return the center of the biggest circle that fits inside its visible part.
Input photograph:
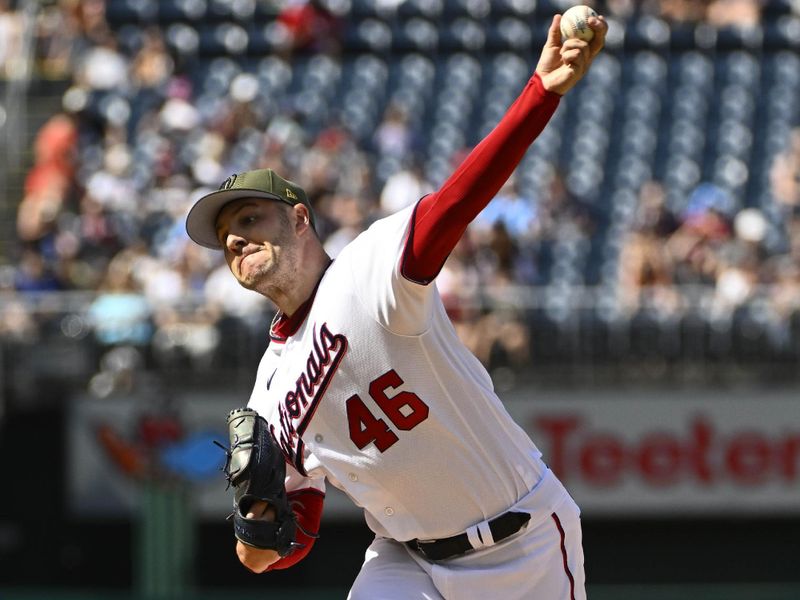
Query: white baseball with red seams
(575, 23)
(374, 392)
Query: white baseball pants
(543, 561)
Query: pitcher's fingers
(570, 56)
(574, 49)
(600, 28)
(554, 33)
(574, 43)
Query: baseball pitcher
(365, 385)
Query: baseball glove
(256, 469)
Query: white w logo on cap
(228, 183)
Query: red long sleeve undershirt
(441, 218)
(307, 507)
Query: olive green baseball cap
(201, 222)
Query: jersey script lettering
(299, 404)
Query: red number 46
(405, 410)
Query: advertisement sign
(122, 449)
(665, 453)
(631, 453)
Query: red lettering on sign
(660, 458)
(574, 450)
(556, 429)
(697, 450)
(602, 458)
(748, 458)
(788, 454)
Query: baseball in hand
(574, 23)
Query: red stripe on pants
(564, 556)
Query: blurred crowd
(738, 253)
(114, 175)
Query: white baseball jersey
(375, 392)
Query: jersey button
(389, 511)
(352, 477)
(318, 438)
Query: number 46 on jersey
(405, 410)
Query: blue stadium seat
(416, 34)
(121, 12)
(695, 70)
(368, 35)
(183, 39)
(649, 68)
(429, 9)
(509, 33)
(463, 34)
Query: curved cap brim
(201, 222)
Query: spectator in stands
(98, 229)
(459, 283)
(646, 266)
(393, 136)
(120, 315)
(705, 229)
(17, 322)
(741, 260)
(66, 31)
(404, 187)
(560, 213)
(347, 212)
(103, 67)
(239, 113)
(502, 326)
(311, 26)
(90, 16)
(719, 13)
(56, 32)
(152, 65)
(11, 29)
(517, 213)
(734, 13)
(785, 173)
(785, 295)
(682, 11)
(113, 183)
(334, 165)
(225, 297)
(34, 274)
(619, 9)
(50, 180)
(480, 273)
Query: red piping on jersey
(564, 557)
(310, 387)
(285, 326)
(323, 386)
(299, 461)
(441, 218)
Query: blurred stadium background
(634, 291)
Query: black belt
(501, 527)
